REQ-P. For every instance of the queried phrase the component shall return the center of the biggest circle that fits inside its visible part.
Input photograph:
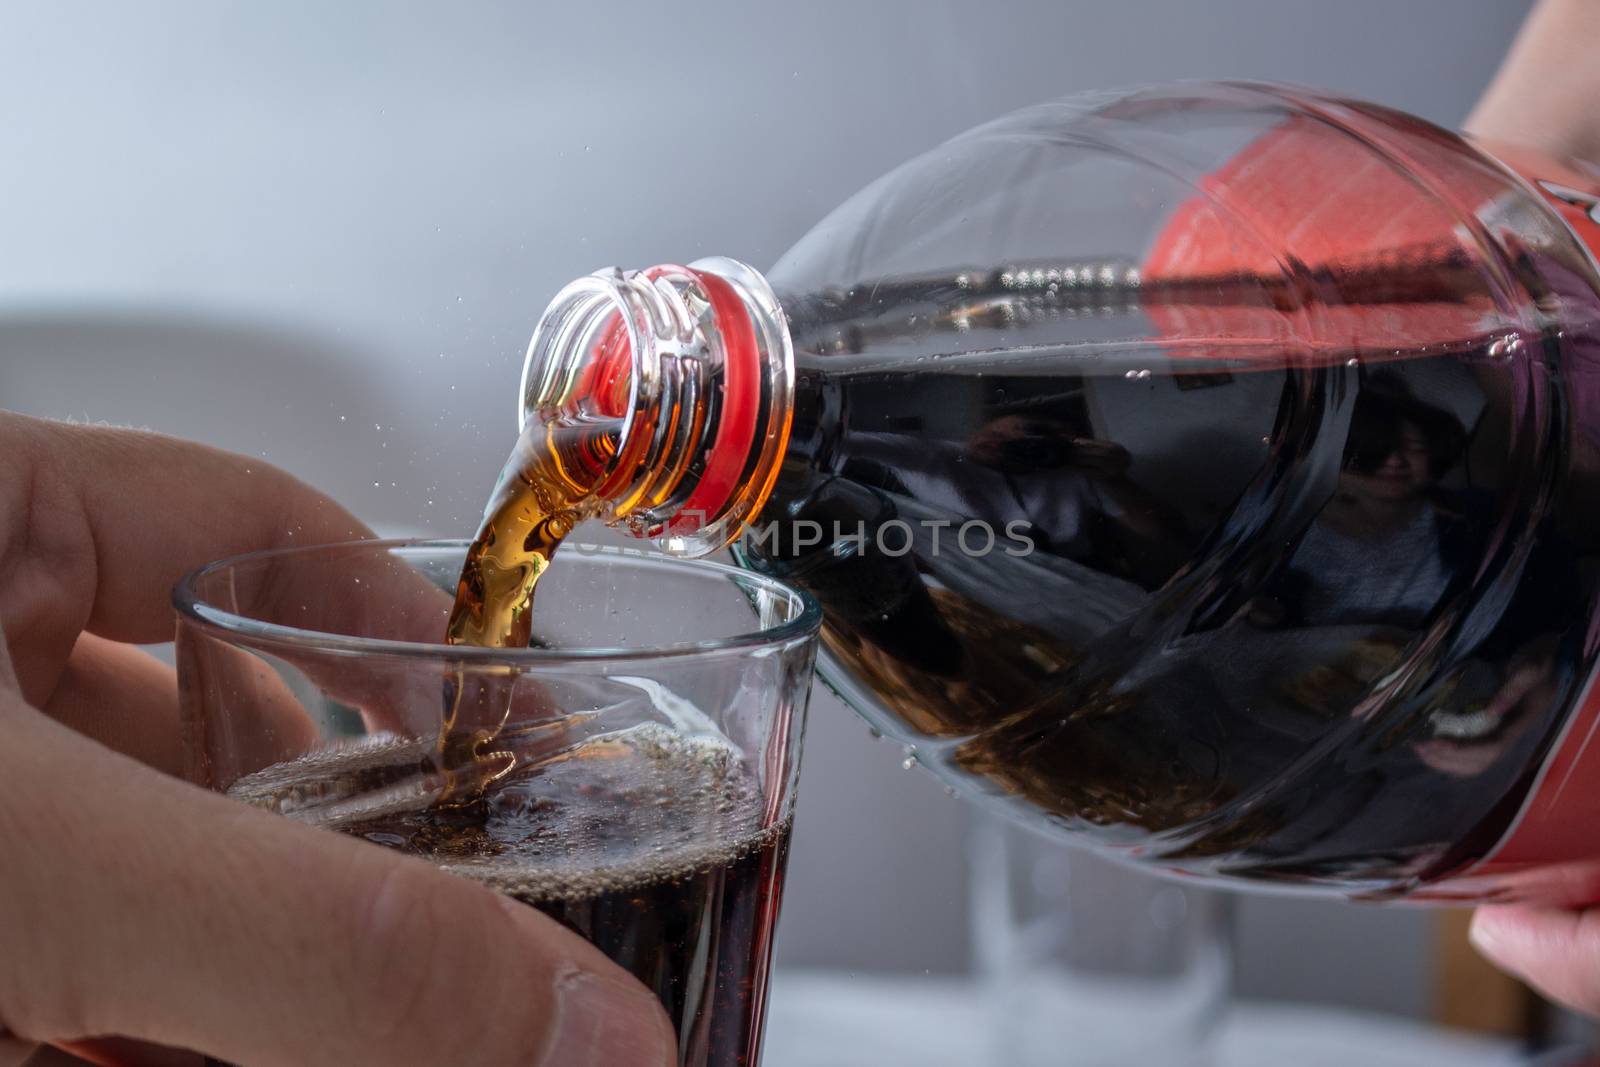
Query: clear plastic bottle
(1206, 470)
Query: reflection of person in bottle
(1389, 546)
(1384, 549)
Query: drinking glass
(1086, 962)
(641, 759)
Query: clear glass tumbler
(1087, 962)
(648, 747)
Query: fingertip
(604, 1019)
(1487, 933)
(603, 1014)
(1508, 933)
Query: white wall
(320, 232)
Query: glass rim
(193, 608)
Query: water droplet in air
(877, 734)
(908, 763)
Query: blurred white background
(321, 232)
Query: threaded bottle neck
(694, 365)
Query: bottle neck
(694, 367)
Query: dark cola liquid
(655, 847)
(1313, 621)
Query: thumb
(144, 907)
(1555, 950)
